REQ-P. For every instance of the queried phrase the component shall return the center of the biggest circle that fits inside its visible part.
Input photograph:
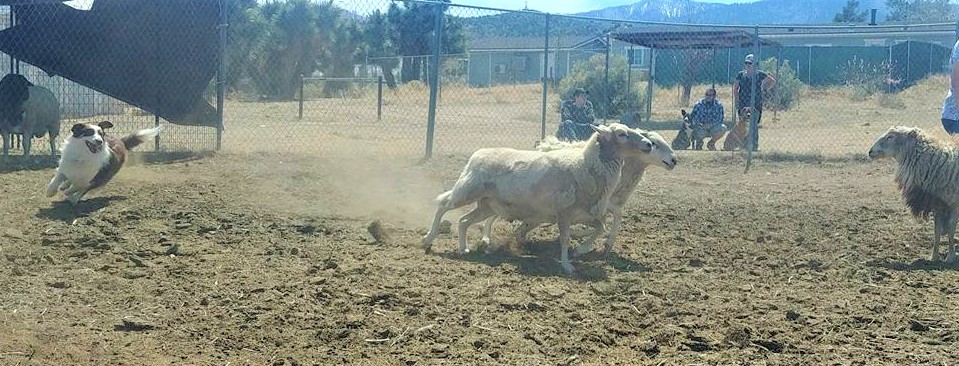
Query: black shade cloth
(158, 55)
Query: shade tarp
(707, 39)
(158, 55)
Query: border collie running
(89, 158)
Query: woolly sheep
(928, 178)
(565, 186)
(28, 109)
(634, 167)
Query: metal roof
(697, 39)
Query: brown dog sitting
(738, 135)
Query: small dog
(90, 158)
(685, 135)
(736, 138)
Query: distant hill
(674, 11)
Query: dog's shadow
(67, 212)
(540, 258)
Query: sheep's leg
(613, 231)
(55, 183)
(564, 234)
(487, 229)
(523, 230)
(27, 142)
(53, 146)
(587, 245)
(940, 227)
(950, 226)
(479, 213)
(6, 143)
(442, 207)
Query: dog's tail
(141, 136)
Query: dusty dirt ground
(269, 259)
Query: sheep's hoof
(427, 245)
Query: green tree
(850, 13)
(592, 76)
(379, 47)
(920, 11)
(411, 28)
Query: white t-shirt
(949, 110)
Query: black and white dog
(89, 158)
(684, 137)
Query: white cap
(749, 58)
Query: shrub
(866, 79)
(788, 86)
(591, 75)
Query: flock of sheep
(566, 183)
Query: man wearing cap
(950, 106)
(742, 88)
(577, 115)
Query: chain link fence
(54, 43)
(412, 78)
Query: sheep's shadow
(67, 212)
(540, 258)
(17, 163)
(916, 265)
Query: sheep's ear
(77, 129)
(105, 125)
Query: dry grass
(828, 122)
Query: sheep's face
(628, 139)
(662, 154)
(893, 141)
(91, 134)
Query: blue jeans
(569, 131)
(951, 126)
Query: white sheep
(29, 109)
(633, 169)
(928, 178)
(565, 186)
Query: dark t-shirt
(746, 87)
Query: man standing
(742, 88)
(950, 108)
(577, 115)
(707, 118)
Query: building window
(638, 56)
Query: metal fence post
(434, 79)
(379, 98)
(545, 78)
(753, 135)
(606, 100)
(221, 76)
(299, 113)
(156, 139)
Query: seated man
(707, 118)
(577, 115)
